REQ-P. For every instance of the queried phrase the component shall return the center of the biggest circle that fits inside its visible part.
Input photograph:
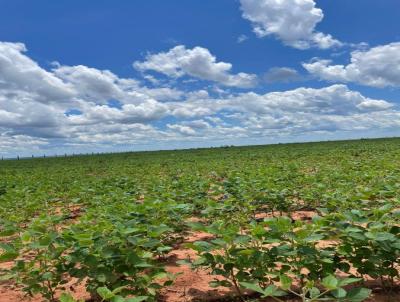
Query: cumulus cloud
(20, 73)
(241, 38)
(102, 85)
(197, 124)
(376, 67)
(35, 102)
(197, 62)
(20, 143)
(292, 21)
(185, 130)
(79, 106)
(147, 111)
(97, 85)
(332, 100)
(281, 74)
(298, 111)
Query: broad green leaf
(286, 282)
(8, 256)
(66, 298)
(347, 281)
(253, 286)
(105, 293)
(26, 237)
(330, 282)
(314, 292)
(339, 293)
(47, 276)
(357, 294)
(118, 289)
(273, 291)
(118, 299)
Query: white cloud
(292, 21)
(332, 100)
(96, 85)
(34, 103)
(242, 38)
(17, 144)
(185, 130)
(163, 93)
(197, 124)
(376, 67)
(197, 62)
(302, 110)
(147, 111)
(20, 73)
(281, 74)
(102, 85)
(374, 105)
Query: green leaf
(8, 232)
(314, 292)
(105, 293)
(246, 252)
(203, 246)
(8, 256)
(151, 291)
(314, 237)
(358, 294)
(286, 282)
(242, 239)
(160, 275)
(339, 293)
(164, 249)
(219, 242)
(383, 236)
(273, 291)
(118, 289)
(253, 286)
(47, 276)
(348, 281)
(196, 226)
(330, 282)
(66, 298)
(101, 278)
(118, 299)
(270, 291)
(130, 231)
(26, 237)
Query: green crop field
(307, 222)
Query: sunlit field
(298, 222)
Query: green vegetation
(110, 220)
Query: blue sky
(79, 76)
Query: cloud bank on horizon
(189, 96)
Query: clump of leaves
(267, 253)
(329, 289)
(42, 267)
(115, 257)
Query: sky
(104, 76)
